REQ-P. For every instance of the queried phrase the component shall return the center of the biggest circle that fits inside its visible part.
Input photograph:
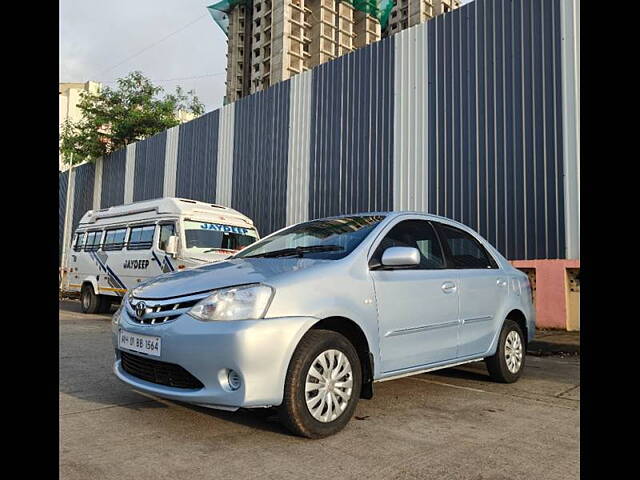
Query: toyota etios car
(309, 317)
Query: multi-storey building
(273, 40)
(407, 13)
(69, 95)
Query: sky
(102, 41)
(173, 42)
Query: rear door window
(114, 239)
(464, 251)
(141, 237)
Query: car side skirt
(428, 369)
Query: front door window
(166, 230)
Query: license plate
(139, 343)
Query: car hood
(222, 274)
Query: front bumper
(259, 350)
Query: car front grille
(161, 311)
(158, 372)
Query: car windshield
(328, 239)
(207, 237)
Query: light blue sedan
(308, 318)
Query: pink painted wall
(551, 290)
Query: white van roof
(161, 206)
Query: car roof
(397, 213)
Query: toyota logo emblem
(141, 309)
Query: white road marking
(448, 385)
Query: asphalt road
(453, 424)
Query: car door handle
(448, 287)
(501, 282)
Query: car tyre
(507, 364)
(327, 359)
(90, 302)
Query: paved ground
(454, 424)
(550, 342)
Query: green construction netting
(379, 9)
(220, 12)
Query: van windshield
(327, 239)
(207, 237)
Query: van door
(111, 257)
(417, 306)
(74, 262)
(138, 262)
(86, 265)
(162, 260)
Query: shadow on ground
(86, 362)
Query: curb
(541, 348)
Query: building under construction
(273, 40)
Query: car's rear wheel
(322, 386)
(90, 302)
(507, 363)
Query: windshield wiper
(219, 248)
(297, 251)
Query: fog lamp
(234, 380)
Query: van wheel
(506, 365)
(90, 302)
(322, 386)
(105, 304)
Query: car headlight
(247, 302)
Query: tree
(114, 118)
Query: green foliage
(113, 118)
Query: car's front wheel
(322, 386)
(507, 363)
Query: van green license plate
(139, 343)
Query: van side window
(79, 241)
(141, 237)
(114, 239)
(93, 241)
(464, 251)
(166, 230)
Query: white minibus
(114, 249)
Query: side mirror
(400, 257)
(172, 245)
